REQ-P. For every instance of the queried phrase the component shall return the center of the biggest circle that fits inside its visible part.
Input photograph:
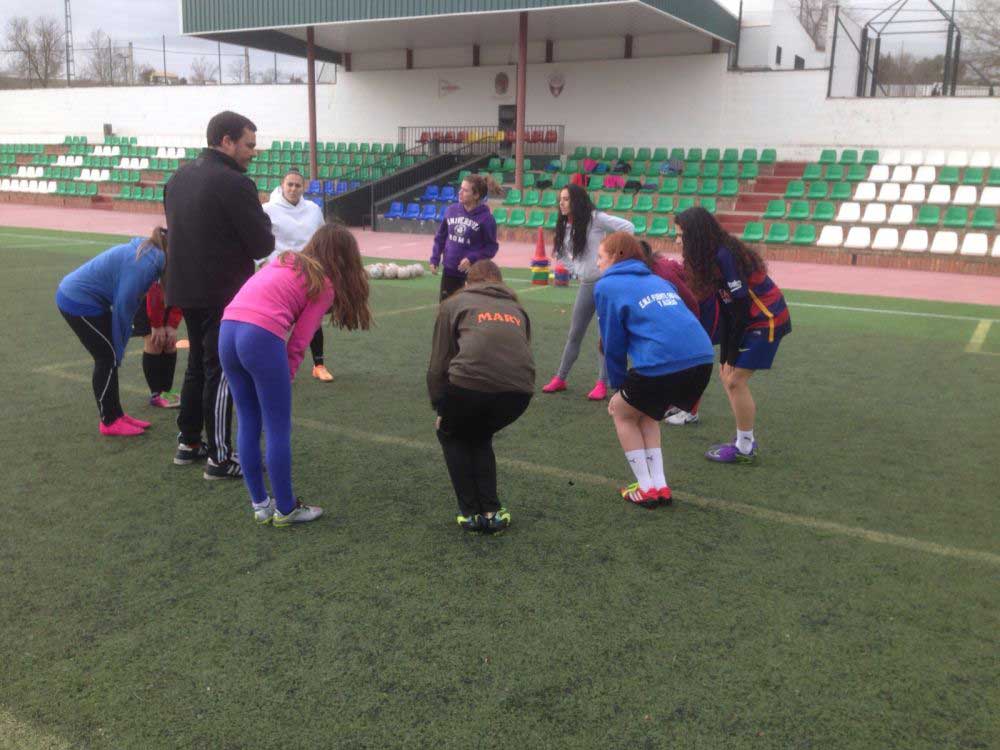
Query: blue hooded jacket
(643, 318)
(464, 234)
(115, 281)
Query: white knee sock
(744, 441)
(637, 460)
(654, 460)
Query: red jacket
(156, 310)
(672, 271)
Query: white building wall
(671, 101)
(787, 33)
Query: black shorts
(140, 321)
(653, 395)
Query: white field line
(975, 345)
(744, 509)
(907, 313)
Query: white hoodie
(292, 226)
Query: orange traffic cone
(540, 262)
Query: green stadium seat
(580, 152)
(529, 179)
(812, 172)
(689, 186)
(562, 180)
(753, 231)
(509, 165)
(500, 216)
(824, 211)
(984, 218)
(611, 153)
(517, 218)
(799, 211)
(513, 197)
(694, 154)
(494, 164)
(730, 171)
(550, 199)
(973, 176)
(778, 233)
(795, 189)
(818, 190)
(653, 169)
(948, 175)
(692, 169)
(730, 155)
(683, 204)
(376, 148)
(643, 154)
(768, 156)
(92, 189)
(841, 191)
(352, 148)
(596, 153)
(857, 172)
(709, 187)
(643, 203)
(869, 157)
(604, 202)
(993, 177)
(710, 169)
(709, 204)
(828, 156)
(775, 210)
(729, 188)
(668, 186)
(834, 172)
(639, 222)
(805, 234)
(929, 216)
(664, 205)
(148, 194)
(749, 156)
(158, 194)
(749, 171)
(572, 165)
(535, 219)
(849, 156)
(677, 154)
(624, 202)
(660, 227)
(956, 217)
(531, 198)
(660, 153)
(712, 155)
(551, 219)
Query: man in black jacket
(217, 228)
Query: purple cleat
(728, 453)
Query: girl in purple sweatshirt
(467, 233)
(265, 331)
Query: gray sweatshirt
(601, 225)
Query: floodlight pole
(311, 78)
(522, 82)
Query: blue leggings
(256, 365)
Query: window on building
(777, 57)
(800, 64)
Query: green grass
(143, 609)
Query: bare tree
(35, 48)
(145, 74)
(203, 71)
(236, 71)
(267, 76)
(981, 28)
(813, 15)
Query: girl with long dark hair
(753, 317)
(287, 298)
(580, 229)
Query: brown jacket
(482, 342)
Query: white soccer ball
(376, 270)
(404, 272)
(418, 270)
(391, 271)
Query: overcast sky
(145, 22)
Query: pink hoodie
(275, 299)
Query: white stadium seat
(913, 157)
(915, 193)
(996, 247)
(143, 164)
(889, 192)
(115, 151)
(5, 185)
(940, 195)
(902, 173)
(161, 153)
(124, 163)
(879, 173)
(975, 243)
(105, 175)
(980, 159)
(53, 186)
(886, 239)
(934, 158)
(859, 238)
(965, 195)
(865, 191)
(33, 186)
(926, 175)
(85, 174)
(61, 160)
(849, 213)
(945, 243)
(990, 197)
(892, 157)
(958, 159)
(915, 241)
(77, 161)
(996, 159)
(901, 214)
(831, 236)
(874, 214)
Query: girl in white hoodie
(293, 222)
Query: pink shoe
(140, 423)
(555, 385)
(599, 393)
(120, 428)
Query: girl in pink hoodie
(264, 333)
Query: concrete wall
(763, 32)
(673, 101)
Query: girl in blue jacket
(467, 233)
(644, 320)
(99, 300)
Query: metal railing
(480, 139)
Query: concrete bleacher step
(791, 169)
(772, 185)
(754, 203)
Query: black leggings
(95, 334)
(469, 419)
(316, 346)
(450, 285)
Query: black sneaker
(498, 522)
(188, 454)
(228, 469)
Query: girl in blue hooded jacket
(467, 233)
(643, 320)
(98, 301)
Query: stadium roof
(378, 25)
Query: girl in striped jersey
(753, 317)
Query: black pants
(469, 419)
(316, 346)
(95, 334)
(205, 398)
(450, 285)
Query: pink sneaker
(140, 423)
(120, 428)
(599, 393)
(555, 385)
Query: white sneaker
(681, 417)
(299, 514)
(263, 512)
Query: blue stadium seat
(330, 187)
(315, 188)
(441, 209)
(342, 186)
(430, 193)
(428, 212)
(412, 211)
(355, 184)
(447, 194)
(395, 211)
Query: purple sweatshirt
(464, 234)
